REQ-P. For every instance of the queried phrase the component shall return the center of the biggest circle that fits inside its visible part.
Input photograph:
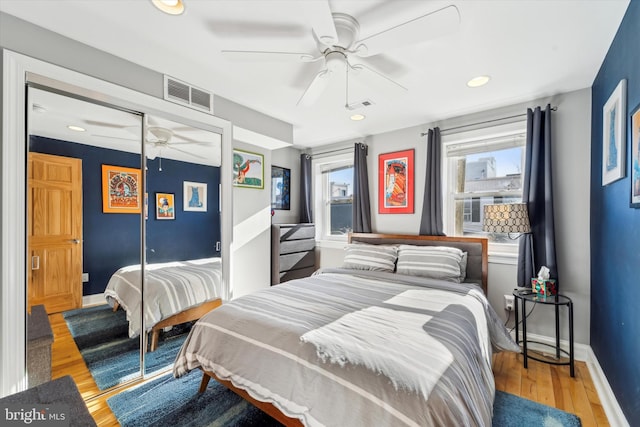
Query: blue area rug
(111, 356)
(167, 401)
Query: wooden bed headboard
(476, 248)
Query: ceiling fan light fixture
(336, 61)
(478, 81)
(357, 117)
(76, 128)
(171, 7)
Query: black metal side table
(524, 296)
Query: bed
(362, 346)
(175, 292)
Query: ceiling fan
(343, 52)
(157, 140)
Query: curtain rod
(337, 150)
(486, 121)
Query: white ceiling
(530, 49)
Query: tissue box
(544, 287)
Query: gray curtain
(538, 195)
(361, 205)
(306, 196)
(431, 221)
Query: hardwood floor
(543, 383)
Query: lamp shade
(506, 218)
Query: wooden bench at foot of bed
(188, 315)
(265, 407)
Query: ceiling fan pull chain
(346, 95)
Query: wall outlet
(508, 302)
(85, 277)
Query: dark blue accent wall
(615, 232)
(112, 240)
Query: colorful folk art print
(120, 190)
(395, 171)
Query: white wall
(571, 127)
(251, 247)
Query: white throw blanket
(393, 342)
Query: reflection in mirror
(183, 270)
(84, 207)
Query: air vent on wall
(185, 94)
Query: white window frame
(321, 191)
(501, 136)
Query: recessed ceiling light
(357, 117)
(172, 7)
(76, 128)
(478, 81)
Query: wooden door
(54, 232)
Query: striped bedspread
(357, 348)
(170, 288)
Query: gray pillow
(435, 262)
(370, 257)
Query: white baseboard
(581, 351)
(96, 299)
(584, 353)
(607, 398)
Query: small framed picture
(248, 169)
(635, 157)
(194, 196)
(614, 141)
(165, 206)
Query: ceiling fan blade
(263, 56)
(115, 137)
(376, 78)
(107, 124)
(186, 140)
(430, 26)
(315, 89)
(185, 152)
(322, 24)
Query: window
(482, 167)
(333, 189)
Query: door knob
(76, 241)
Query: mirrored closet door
(85, 199)
(183, 269)
(124, 235)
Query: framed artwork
(635, 157)
(395, 182)
(614, 145)
(120, 190)
(194, 196)
(280, 188)
(165, 206)
(248, 169)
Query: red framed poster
(395, 182)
